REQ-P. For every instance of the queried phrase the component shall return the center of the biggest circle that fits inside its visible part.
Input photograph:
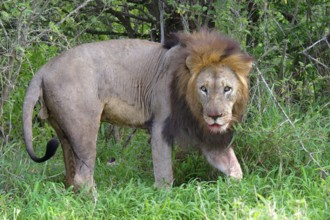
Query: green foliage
(277, 37)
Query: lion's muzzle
(217, 123)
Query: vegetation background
(282, 144)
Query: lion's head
(215, 92)
(212, 78)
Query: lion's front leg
(225, 161)
(161, 157)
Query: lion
(190, 92)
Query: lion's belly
(121, 113)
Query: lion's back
(122, 51)
(112, 62)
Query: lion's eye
(203, 89)
(227, 89)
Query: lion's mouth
(214, 127)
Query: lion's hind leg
(68, 156)
(83, 145)
(78, 138)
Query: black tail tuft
(52, 146)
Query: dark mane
(171, 41)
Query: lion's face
(216, 89)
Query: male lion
(191, 92)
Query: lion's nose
(215, 116)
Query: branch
(108, 32)
(5, 31)
(313, 45)
(73, 12)
(64, 19)
(129, 138)
(125, 21)
(128, 15)
(291, 123)
(161, 20)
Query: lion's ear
(248, 68)
(189, 63)
(240, 63)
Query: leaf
(43, 18)
(53, 27)
(4, 16)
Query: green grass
(267, 197)
(280, 179)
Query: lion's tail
(31, 97)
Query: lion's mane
(202, 49)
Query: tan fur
(141, 84)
